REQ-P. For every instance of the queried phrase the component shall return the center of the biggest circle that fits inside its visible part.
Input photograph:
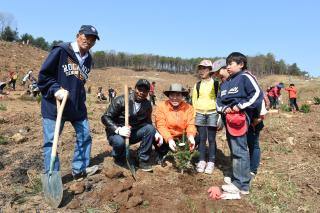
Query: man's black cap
(89, 30)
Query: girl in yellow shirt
(204, 103)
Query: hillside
(288, 178)
(20, 58)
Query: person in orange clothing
(174, 117)
(292, 91)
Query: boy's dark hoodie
(243, 91)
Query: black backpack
(215, 84)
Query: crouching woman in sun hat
(173, 118)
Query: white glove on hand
(60, 94)
(172, 145)
(123, 131)
(192, 143)
(158, 138)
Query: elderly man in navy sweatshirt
(66, 69)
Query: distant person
(173, 118)
(100, 95)
(110, 94)
(2, 86)
(140, 126)
(33, 87)
(277, 95)
(13, 79)
(238, 101)
(152, 93)
(26, 77)
(206, 117)
(292, 92)
(271, 97)
(130, 90)
(66, 69)
(114, 94)
(188, 97)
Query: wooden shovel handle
(126, 110)
(60, 108)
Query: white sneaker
(244, 192)
(227, 180)
(92, 170)
(209, 168)
(201, 166)
(230, 196)
(230, 188)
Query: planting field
(288, 178)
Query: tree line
(8, 33)
(259, 65)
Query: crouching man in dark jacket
(140, 129)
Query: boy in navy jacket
(66, 69)
(239, 97)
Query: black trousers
(293, 103)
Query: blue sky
(186, 28)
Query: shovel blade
(130, 165)
(132, 169)
(52, 188)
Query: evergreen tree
(9, 35)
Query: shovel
(126, 123)
(51, 182)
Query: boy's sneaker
(209, 168)
(244, 192)
(92, 170)
(230, 196)
(227, 180)
(201, 166)
(230, 188)
(145, 166)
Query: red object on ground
(215, 192)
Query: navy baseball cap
(89, 30)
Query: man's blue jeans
(82, 150)
(240, 161)
(144, 134)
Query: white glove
(60, 94)
(192, 143)
(172, 145)
(123, 131)
(158, 138)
